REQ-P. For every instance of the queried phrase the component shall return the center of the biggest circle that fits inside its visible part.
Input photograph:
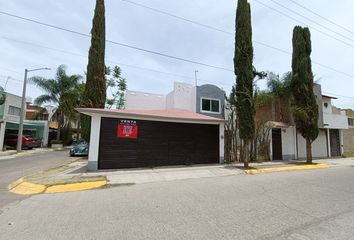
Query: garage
(153, 138)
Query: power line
(229, 33)
(117, 43)
(161, 54)
(133, 66)
(338, 95)
(322, 17)
(309, 19)
(299, 21)
(108, 60)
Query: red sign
(127, 129)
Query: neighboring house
(288, 144)
(206, 99)
(35, 112)
(348, 134)
(10, 117)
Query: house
(10, 117)
(288, 144)
(206, 99)
(348, 134)
(183, 127)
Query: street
(313, 204)
(13, 168)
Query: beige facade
(348, 135)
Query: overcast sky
(20, 41)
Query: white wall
(12, 100)
(184, 96)
(288, 143)
(319, 146)
(145, 101)
(335, 121)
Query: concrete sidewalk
(75, 177)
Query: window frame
(350, 121)
(210, 100)
(14, 108)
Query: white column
(328, 144)
(94, 143)
(46, 134)
(2, 135)
(221, 142)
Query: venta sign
(127, 129)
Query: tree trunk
(60, 115)
(308, 151)
(246, 153)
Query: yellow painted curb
(28, 188)
(73, 187)
(288, 168)
(15, 183)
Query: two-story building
(288, 144)
(183, 127)
(10, 117)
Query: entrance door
(335, 142)
(276, 144)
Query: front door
(335, 142)
(276, 144)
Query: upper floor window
(210, 105)
(14, 111)
(351, 121)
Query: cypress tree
(95, 88)
(243, 67)
(304, 106)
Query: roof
(169, 114)
(326, 96)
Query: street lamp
(23, 106)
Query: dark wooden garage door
(158, 144)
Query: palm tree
(62, 91)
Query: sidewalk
(74, 176)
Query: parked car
(36, 142)
(80, 149)
(27, 142)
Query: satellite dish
(2, 96)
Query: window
(14, 111)
(210, 105)
(351, 121)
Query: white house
(288, 144)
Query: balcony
(335, 121)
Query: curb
(47, 181)
(286, 168)
(23, 187)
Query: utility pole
(196, 77)
(23, 108)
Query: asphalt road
(302, 205)
(14, 168)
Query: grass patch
(348, 154)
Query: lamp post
(23, 107)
